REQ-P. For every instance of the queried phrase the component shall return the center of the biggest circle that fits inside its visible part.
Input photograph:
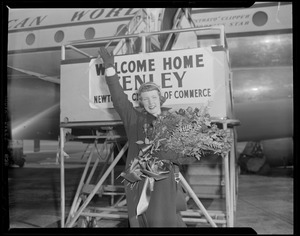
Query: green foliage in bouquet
(188, 132)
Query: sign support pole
(62, 177)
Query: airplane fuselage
(260, 48)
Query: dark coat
(163, 209)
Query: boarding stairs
(150, 20)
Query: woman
(166, 198)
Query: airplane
(260, 47)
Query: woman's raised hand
(108, 59)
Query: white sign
(185, 76)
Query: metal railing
(144, 36)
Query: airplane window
(59, 36)
(260, 18)
(30, 39)
(89, 33)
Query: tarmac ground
(264, 203)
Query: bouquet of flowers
(189, 133)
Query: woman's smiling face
(151, 102)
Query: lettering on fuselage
(98, 13)
(27, 22)
(77, 16)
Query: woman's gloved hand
(108, 59)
